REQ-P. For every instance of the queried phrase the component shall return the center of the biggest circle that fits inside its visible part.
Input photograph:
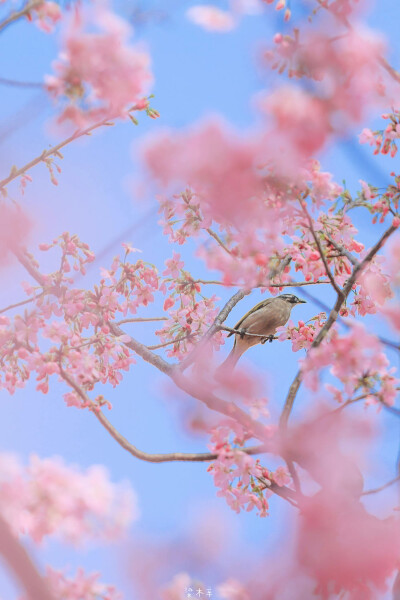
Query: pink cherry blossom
(49, 498)
(99, 70)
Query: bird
(263, 319)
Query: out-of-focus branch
(18, 14)
(381, 59)
(333, 316)
(382, 487)
(21, 84)
(19, 561)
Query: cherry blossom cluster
(45, 14)
(384, 140)
(346, 77)
(70, 330)
(194, 315)
(47, 497)
(99, 75)
(80, 587)
(79, 341)
(241, 479)
(357, 361)
(303, 334)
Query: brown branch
(19, 561)
(16, 15)
(142, 350)
(122, 441)
(334, 314)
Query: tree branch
(140, 320)
(22, 303)
(21, 564)
(54, 151)
(334, 314)
(218, 240)
(343, 251)
(15, 15)
(320, 249)
(123, 442)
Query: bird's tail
(231, 360)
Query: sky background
(196, 74)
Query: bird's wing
(251, 311)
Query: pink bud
(168, 303)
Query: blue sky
(196, 74)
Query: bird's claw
(268, 338)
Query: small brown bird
(263, 319)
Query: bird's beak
(302, 302)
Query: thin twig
(22, 303)
(181, 339)
(382, 487)
(320, 249)
(141, 320)
(15, 15)
(218, 240)
(55, 150)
